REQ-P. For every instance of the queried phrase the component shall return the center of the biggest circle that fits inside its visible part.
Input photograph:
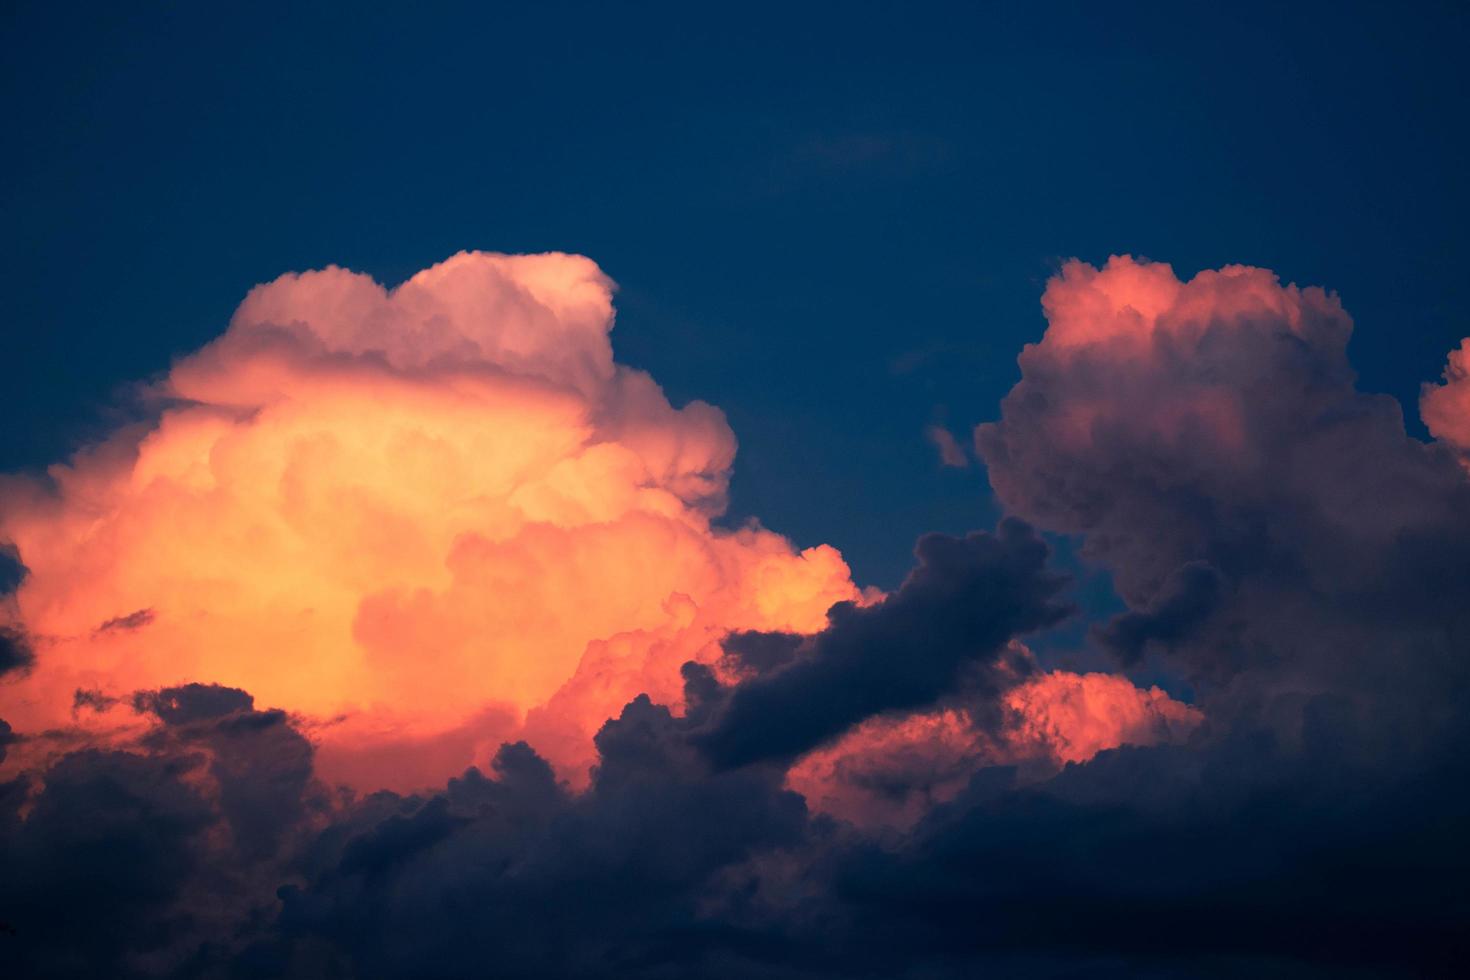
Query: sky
(832, 224)
(801, 490)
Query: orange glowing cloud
(1072, 717)
(414, 517)
(889, 771)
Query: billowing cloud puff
(1446, 407)
(409, 515)
(1200, 381)
(1072, 717)
(1268, 524)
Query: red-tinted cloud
(1446, 407)
(889, 771)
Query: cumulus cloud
(1270, 526)
(413, 515)
(1446, 407)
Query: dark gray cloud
(12, 572)
(96, 871)
(542, 883)
(965, 600)
(762, 653)
(132, 621)
(192, 702)
(138, 860)
(1186, 599)
(16, 653)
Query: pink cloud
(1446, 407)
(951, 453)
(890, 771)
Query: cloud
(951, 453)
(954, 615)
(110, 841)
(1273, 530)
(7, 735)
(413, 516)
(192, 702)
(1184, 601)
(16, 653)
(892, 770)
(132, 621)
(1446, 407)
(130, 860)
(1072, 717)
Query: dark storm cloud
(1246, 855)
(1243, 856)
(261, 765)
(1248, 858)
(511, 874)
(762, 652)
(132, 861)
(16, 653)
(12, 572)
(192, 702)
(1183, 603)
(963, 602)
(96, 869)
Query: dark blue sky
(834, 221)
